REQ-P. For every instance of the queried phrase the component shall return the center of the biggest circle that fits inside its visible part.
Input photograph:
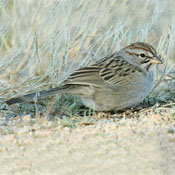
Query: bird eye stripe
(148, 57)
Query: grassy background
(42, 42)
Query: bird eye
(142, 55)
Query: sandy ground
(119, 146)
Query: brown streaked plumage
(143, 46)
(121, 80)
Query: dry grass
(41, 43)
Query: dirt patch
(131, 146)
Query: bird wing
(112, 70)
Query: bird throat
(148, 66)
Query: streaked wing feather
(88, 75)
(113, 70)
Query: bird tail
(36, 95)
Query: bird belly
(108, 99)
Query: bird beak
(157, 60)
